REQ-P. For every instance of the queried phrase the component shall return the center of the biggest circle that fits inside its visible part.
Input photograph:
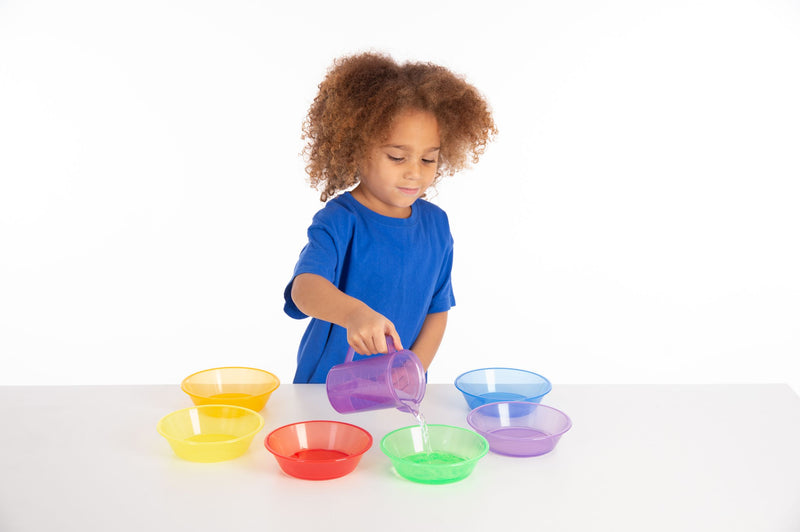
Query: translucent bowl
(247, 387)
(318, 450)
(490, 385)
(454, 453)
(518, 428)
(210, 433)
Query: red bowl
(318, 450)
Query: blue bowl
(490, 385)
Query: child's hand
(367, 331)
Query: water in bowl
(210, 438)
(428, 456)
(230, 395)
(319, 454)
(520, 433)
(494, 397)
(434, 458)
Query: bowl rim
(319, 461)
(458, 379)
(270, 389)
(475, 410)
(249, 434)
(467, 461)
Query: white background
(636, 219)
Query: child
(378, 258)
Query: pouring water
(423, 426)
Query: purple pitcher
(393, 380)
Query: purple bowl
(519, 428)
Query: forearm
(430, 337)
(317, 297)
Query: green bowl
(454, 453)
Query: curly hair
(358, 101)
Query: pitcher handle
(389, 345)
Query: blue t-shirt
(399, 267)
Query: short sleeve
(319, 256)
(443, 297)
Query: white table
(643, 458)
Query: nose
(413, 171)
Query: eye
(395, 159)
(429, 161)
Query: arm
(366, 329)
(430, 336)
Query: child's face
(400, 169)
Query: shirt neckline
(368, 213)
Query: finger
(391, 331)
(372, 347)
(381, 344)
(359, 345)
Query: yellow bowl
(247, 387)
(210, 433)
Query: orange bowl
(236, 386)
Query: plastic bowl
(518, 428)
(247, 387)
(318, 450)
(454, 453)
(210, 433)
(490, 385)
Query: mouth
(409, 191)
